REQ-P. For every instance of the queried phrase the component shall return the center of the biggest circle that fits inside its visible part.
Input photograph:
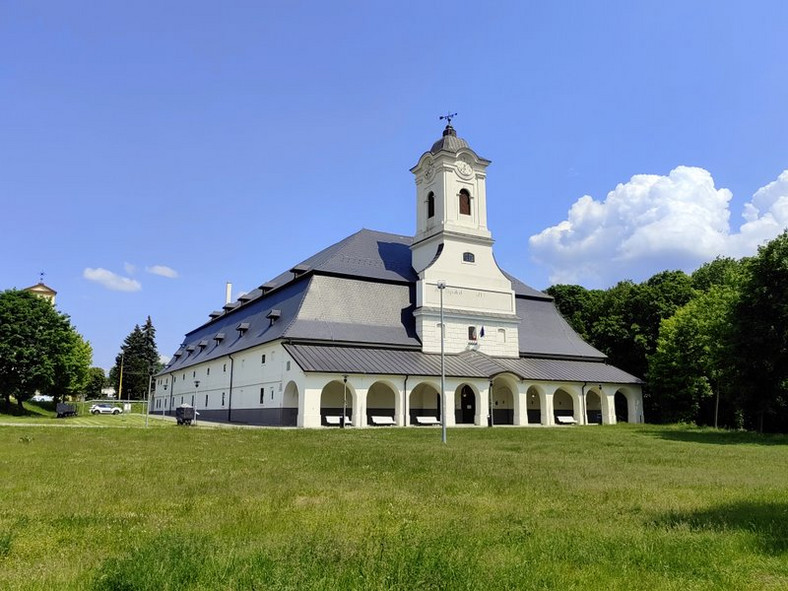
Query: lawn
(623, 507)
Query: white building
(357, 326)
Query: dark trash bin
(184, 414)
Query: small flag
(482, 332)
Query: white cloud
(129, 268)
(163, 271)
(652, 223)
(111, 280)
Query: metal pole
(147, 401)
(444, 410)
(196, 398)
(344, 403)
(490, 404)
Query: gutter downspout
(172, 392)
(230, 397)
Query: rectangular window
(208, 371)
(288, 366)
(206, 401)
(471, 333)
(272, 393)
(224, 368)
(222, 398)
(262, 359)
(262, 395)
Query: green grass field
(624, 507)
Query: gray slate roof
(359, 291)
(471, 364)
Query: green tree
(761, 338)
(720, 271)
(139, 359)
(690, 369)
(97, 380)
(39, 349)
(72, 368)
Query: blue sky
(152, 151)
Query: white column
(483, 405)
(450, 402)
(520, 404)
(404, 406)
(309, 406)
(608, 406)
(548, 410)
(359, 406)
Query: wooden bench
(337, 420)
(382, 420)
(421, 420)
(566, 420)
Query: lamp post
(344, 403)
(441, 287)
(194, 402)
(147, 401)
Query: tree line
(42, 352)
(712, 346)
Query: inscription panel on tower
(471, 299)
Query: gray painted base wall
(265, 417)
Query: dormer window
(468, 257)
(203, 344)
(431, 205)
(242, 327)
(219, 337)
(273, 315)
(465, 202)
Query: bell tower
(452, 244)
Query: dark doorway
(467, 412)
(622, 408)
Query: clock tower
(453, 245)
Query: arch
(431, 205)
(424, 400)
(289, 416)
(534, 405)
(502, 402)
(627, 402)
(332, 398)
(382, 400)
(563, 404)
(465, 404)
(465, 202)
(593, 404)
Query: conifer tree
(139, 360)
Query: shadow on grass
(29, 409)
(719, 436)
(767, 522)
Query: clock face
(429, 170)
(464, 168)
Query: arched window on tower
(431, 205)
(465, 202)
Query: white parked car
(104, 409)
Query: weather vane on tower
(448, 118)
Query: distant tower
(452, 244)
(42, 290)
